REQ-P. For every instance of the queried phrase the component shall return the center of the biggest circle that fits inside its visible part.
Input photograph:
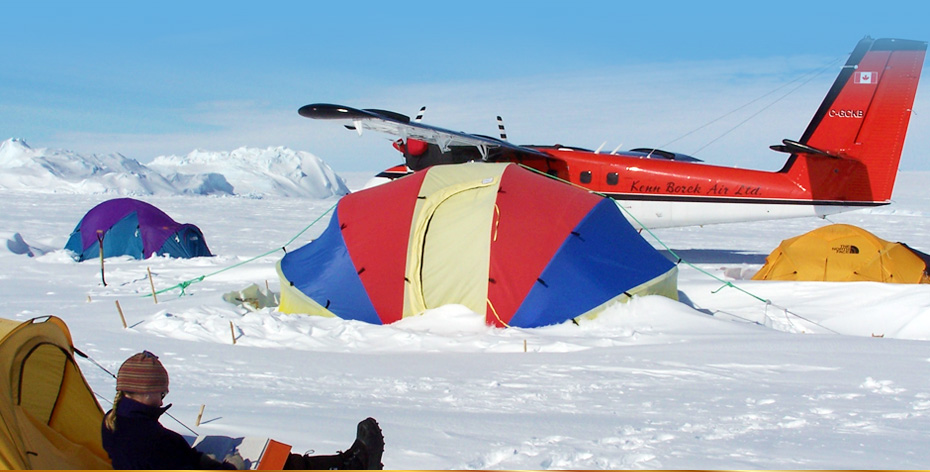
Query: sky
(157, 78)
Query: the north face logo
(846, 249)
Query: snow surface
(827, 375)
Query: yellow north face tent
(50, 417)
(844, 253)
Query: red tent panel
(376, 228)
(528, 233)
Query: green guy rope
(183, 285)
(659, 240)
(725, 283)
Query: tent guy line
(680, 260)
(458, 234)
(643, 227)
(187, 283)
(182, 286)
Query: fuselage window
(586, 177)
(613, 178)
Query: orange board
(274, 456)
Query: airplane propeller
(403, 144)
(500, 127)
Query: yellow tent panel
(843, 253)
(442, 263)
(50, 417)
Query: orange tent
(844, 253)
(50, 417)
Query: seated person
(134, 439)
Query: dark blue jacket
(141, 442)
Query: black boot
(365, 453)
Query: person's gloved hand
(209, 461)
(236, 460)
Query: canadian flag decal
(865, 77)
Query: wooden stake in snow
(232, 331)
(121, 317)
(152, 284)
(199, 415)
(100, 240)
(524, 345)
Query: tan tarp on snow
(50, 417)
(843, 253)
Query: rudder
(865, 115)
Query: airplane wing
(401, 126)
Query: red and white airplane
(847, 158)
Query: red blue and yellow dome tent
(501, 240)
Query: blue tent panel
(324, 271)
(186, 242)
(604, 256)
(121, 239)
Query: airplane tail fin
(853, 145)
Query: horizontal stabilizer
(793, 147)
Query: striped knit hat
(142, 373)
